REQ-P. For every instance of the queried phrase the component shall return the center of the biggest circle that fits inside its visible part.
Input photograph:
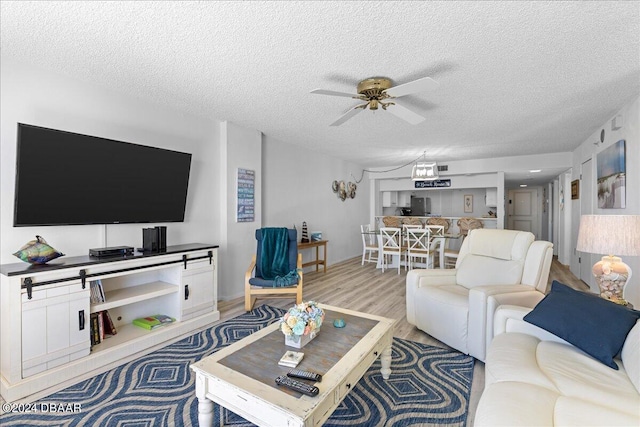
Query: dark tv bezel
(152, 221)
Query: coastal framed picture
(611, 177)
(245, 207)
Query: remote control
(305, 375)
(298, 386)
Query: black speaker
(162, 238)
(150, 240)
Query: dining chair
(438, 242)
(439, 221)
(419, 246)
(465, 224)
(369, 244)
(413, 220)
(391, 221)
(406, 227)
(390, 245)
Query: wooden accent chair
(256, 284)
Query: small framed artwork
(468, 203)
(575, 189)
(245, 206)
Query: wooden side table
(318, 261)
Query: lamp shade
(609, 234)
(424, 172)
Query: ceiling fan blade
(346, 116)
(334, 93)
(420, 85)
(404, 113)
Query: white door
(586, 208)
(523, 211)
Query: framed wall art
(575, 189)
(468, 203)
(611, 177)
(245, 207)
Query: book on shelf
(291, 359)
(94, 329)
(153, 322)
(96, 292)
(109, 326)
(101, 325)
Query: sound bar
(111, 251)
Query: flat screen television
(65, 178)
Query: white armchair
(494, 267)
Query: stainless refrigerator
(420, 206)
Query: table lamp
(613, 235)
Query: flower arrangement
(302, 319)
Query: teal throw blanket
(274, 261)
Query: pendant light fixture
(424, 171)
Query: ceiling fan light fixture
(424, 171)
(377, 92)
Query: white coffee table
(241, 376)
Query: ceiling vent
(443, 168)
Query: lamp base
(611, 276)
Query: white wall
(297, 181)
(445, 202)
(630, 132)
(297, 187)
(42, 98)
(240, 148)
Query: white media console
(45, 342)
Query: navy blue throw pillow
(596, 326)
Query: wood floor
(364, 288)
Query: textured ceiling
(515, 78)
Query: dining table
(440, 242)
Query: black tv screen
(65, 178)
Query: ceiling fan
(377, 92)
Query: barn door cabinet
(45, 314)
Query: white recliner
(494, 267)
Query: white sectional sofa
(534, 378)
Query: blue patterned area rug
(428, 386)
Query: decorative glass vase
(301, 340)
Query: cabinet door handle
(186, 292)
(81, 320)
